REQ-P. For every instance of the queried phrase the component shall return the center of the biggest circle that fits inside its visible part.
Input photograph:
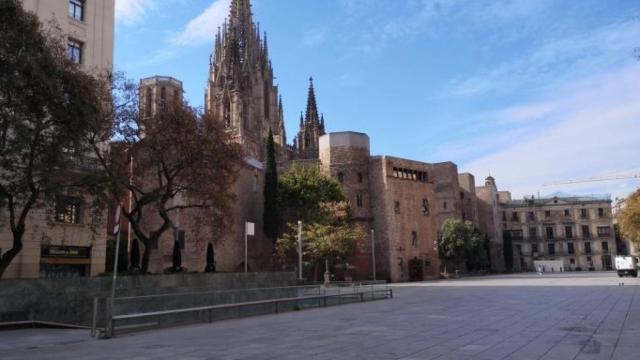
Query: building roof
(568, 199)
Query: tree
(135, 256)
(211, 262)
(332, 238)
(629, 218)
(122, 257)
(176, 258)
(182, 161)
(461, 244)
(270, 215)
(508, 250)
(301, 192)
(453, 243)
(45, 103)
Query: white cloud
(595, 132)
(203, 27)
(553, 61)
(129, 12)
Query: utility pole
(300, 250)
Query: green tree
(332, 238)
(453, 243)
(45, 101)
(629, 218)
(507, 249)
(460, 244)
(302, 190)
(270, 217)
(122, 256)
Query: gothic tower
(311, 128)
(240, 92)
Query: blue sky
(532, 91)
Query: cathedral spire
(312, 107)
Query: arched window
(226, 113)
(360, 177)
(341, 177)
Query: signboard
(61, 251)
(250, 228)
(116, 228)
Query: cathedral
(398, 203)
(241, 94)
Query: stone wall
(70, 300)
(398, 216)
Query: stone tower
(311, 128)
(156, 91)
(240, 92)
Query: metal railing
(301, 297)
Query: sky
(529, 91)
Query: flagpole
(115, 273)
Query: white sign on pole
(251, 228)
(116, 228)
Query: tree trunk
(146, 256)
(7, 257)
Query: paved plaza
(554, 316)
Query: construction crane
(594, 179)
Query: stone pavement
(554, 316)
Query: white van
(627, 265)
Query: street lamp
(300, 250)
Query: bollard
(94, 319)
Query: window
(445, 205)
(514, 216)
(360, 178)
(396, 207)
(568, 232)
(414, 238)
(408, 174)
(461, 195)
(570, 249)
(148, 103)
(76, 9)
(425, 207)
(341, 177)
(359, 200)
(68, 210)
(549, 230)
(547, 213)
(572, 261)
(516, 234)
(255, 183)
(604, 231)
(600, 212)
(552, 249)
(533, 233)
(504, 216)
(534, 248)
(74, 51)
(583, 213)
(532, 216)
(605, 247)
(587, 247)
(585, 232)
(566, 212)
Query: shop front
(60, 262)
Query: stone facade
(489, 221)
(577, 230)
(59, 240)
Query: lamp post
(373, 254)
(300, 250)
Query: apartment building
(578, 230)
